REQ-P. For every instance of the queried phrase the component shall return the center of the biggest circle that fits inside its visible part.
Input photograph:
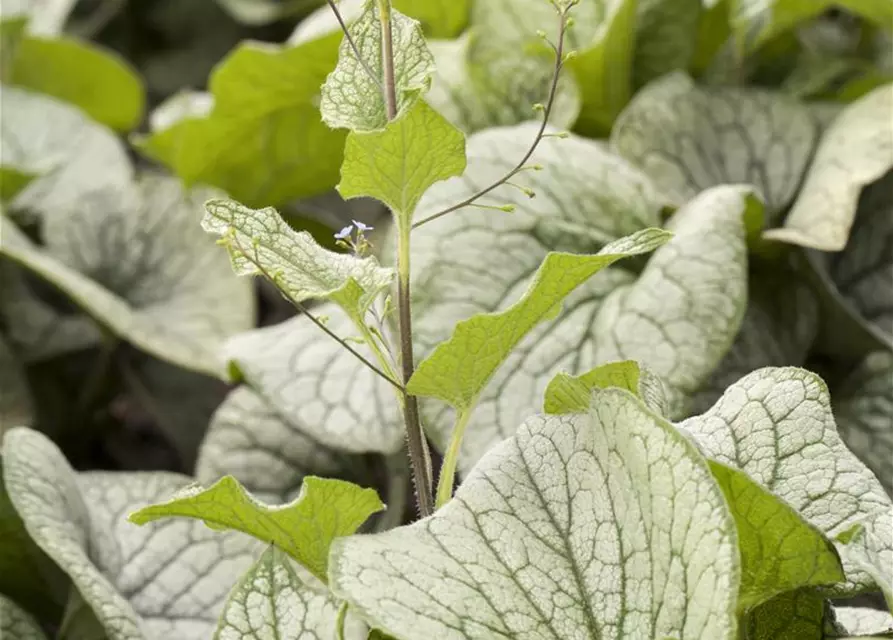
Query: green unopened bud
(570, 22)
(539, 107)
(541, 34)
(508, 208)
(570, 55)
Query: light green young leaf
(855, 151)
(666, 37)
(97, 81)
(780, 551)
(351, 99)
(70, 155)
(861, 622)
(261, 242)
(156, 582)
(398, 164)
(459, 369)
(17, 624)
(324, 510)
(779, 328)
(586, 197)
(146, 272)
(263, 141)
(862, 408)
(316, 385)
(572, 394)
(795, 615)
(16, 406)
(689, 139)
(861, 273)
(536, 523)
(272, 602)
(776, 425)
(682, 314)
(269, 455)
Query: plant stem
(448, 468)
(418, 447)
(387, 58)
(340, 620)
(547, 112)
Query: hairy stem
(450, 459)
(387, 58)
(547, 112)
(419, 456)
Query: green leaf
(776, 426)
(160, 581)
(586, 198)
(319, 387)
(268, 454)
(97, 81)
(666, 37)
(439, 18)
(272, 602)
(855, 151)
(261, 242)
(780, 551)
(459, 369)
(398, 164)
(682, 314)
(71, 156)
(26, 573)
(12, 181)
(263, 141)
(689, 139)
(779, 328)
(17, 624)
(572, 394)
(560, 521)
(863, 407)
(350, 98)
(44, 17)
(324, 510)
(146, 271)
(796, 615)
(861, 273)
(871, 550)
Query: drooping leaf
(398, 164)
(97, 81)
(682, 314)
(776, 425)
(459, 369)
(70, 156)
(780, 551)
(861, 622)
(666, 37)
(862, 271)
(17, 624)
(350, 98)
(586, 198)
(795, 615)
(855, 151)
(779, 327)
(538, 523)
(146, 272)
(263, 141)
(871, 550)
(261, 242)
(572, 394)
(160, 581)
(317, 385)
(272, 602)
(862, 408)
(689, 139)
(269, 455)
(324, 510)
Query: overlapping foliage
(656, 353)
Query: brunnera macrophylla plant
(631, 464)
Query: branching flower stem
(547, 112)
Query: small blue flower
(362, 227)
(344, 234)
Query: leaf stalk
(450, 459)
